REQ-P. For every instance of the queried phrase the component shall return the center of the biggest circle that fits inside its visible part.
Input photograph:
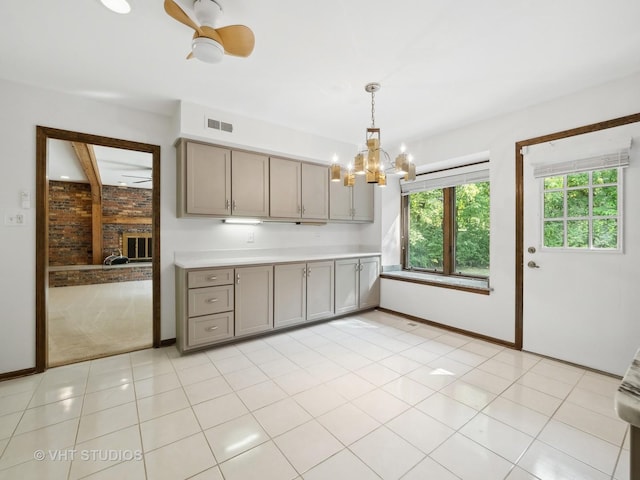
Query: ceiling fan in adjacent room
(146, 179)
(209, 44)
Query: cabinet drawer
(210, 278)
(210, 328)
(205, 301)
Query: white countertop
(628, 394)
(230, 258)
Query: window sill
(472, 285)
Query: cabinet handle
(238, 279)
(309, 272)
(212, 277)
(212, 300)
(226, 204)
(303, 210)
(211, 329)
(298, 208)
(233, 205)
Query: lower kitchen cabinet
(254, 299)
(303, 292)
(357, 284)
(215, 305)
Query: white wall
(25, 107)
(494, 315)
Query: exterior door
(578, 301)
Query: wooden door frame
(42, 226)
(594, 127)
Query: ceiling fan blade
(174, 10)
(190, 56)
(211, 33)
(136, 176)
(238, 40)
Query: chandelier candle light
(368, 162)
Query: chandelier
(368, 162)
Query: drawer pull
(211, 329)
(212, 300)
(212, 277)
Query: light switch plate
(15, 219)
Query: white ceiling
(117, 167)
(441, 64)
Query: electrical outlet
(15, 219)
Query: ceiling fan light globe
(207, 50)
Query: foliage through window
(447, 230)
(582, 210)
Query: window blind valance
(609, 160)
(477, 172)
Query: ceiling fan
(146, 179)
(209, 44)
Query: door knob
(532, 264)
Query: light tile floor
(365, 397)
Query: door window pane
(578, 202)
(554, 234)
(578, 233)
(591, 217)
(551, 183)
(605, 176)
(578, 179)
(605, 201)
(605, 233)
(554, 204)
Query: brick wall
(69, 223)
(92, 276)
(70, 220)
(123, 202)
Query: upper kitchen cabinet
(352, 203)
(299, 190)
(315, 192)
(249, 184)
(204, 179)
(286, 188)
(217, 181)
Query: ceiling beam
(87, 158)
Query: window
(446, 230)
(581, 210)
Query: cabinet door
(284, 188)
(315, 192)
(320, 290)
(249, 184)
(289, 305)
(369, 282)
(340, 201)
(363, 199)
(347, 290)
(208, 180)
(254, 300)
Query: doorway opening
(92, 300)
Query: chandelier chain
(373, 109)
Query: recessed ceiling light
(64, 177)
(118, 6)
